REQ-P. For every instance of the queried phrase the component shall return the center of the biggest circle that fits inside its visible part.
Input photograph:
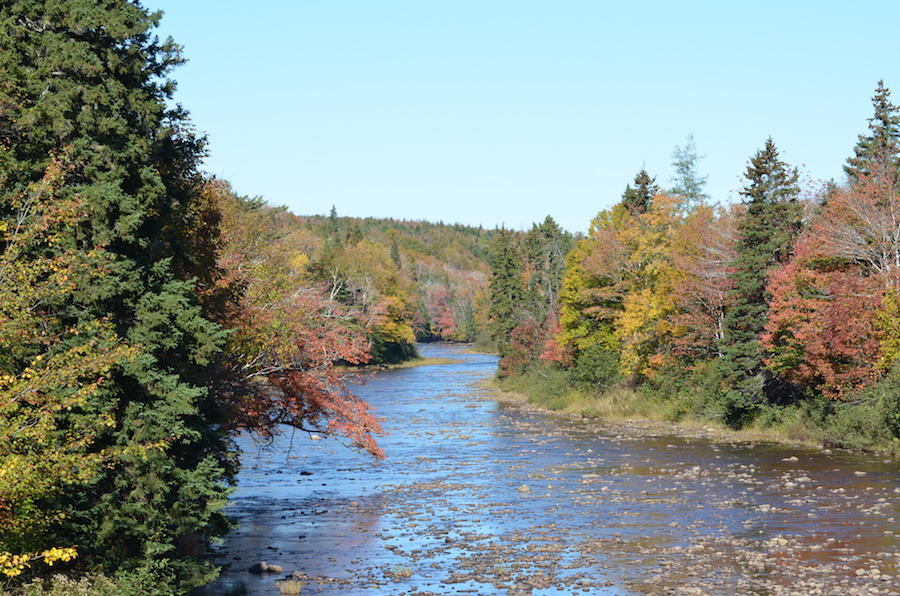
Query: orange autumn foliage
(288, 333)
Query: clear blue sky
(499, 112)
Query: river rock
(263, 567)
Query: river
(480, 497)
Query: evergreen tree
(688, 185)
(882, 145)
(507, 292)
(86, 79)
(637, 200)
(545, 247)
(395, 254)
(765, 232)
(333, 230)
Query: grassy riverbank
(868, 421)
(414, 363)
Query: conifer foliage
(765, 233)
(637, 200)
(688, 184)
(83, 101)
(507, 289)
(881, 147)
(525, 287)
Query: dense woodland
(148, 313)
(777, 311)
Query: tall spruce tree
(765, 233)
(881, 147)
(545, 249)
(85, 81)
(507, 290)
(637, 200)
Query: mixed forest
(780, 311)
(149, 313)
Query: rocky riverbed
(478, 497)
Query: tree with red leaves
(822, 333)
(288, 333)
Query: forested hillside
(437, 274)
(779, 311)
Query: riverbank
(628, 418)
(858, 427)
(414, 363)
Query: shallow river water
(478, 497)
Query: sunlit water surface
(478, 497)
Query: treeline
(434, 274)
(148, 313)
(781, 310)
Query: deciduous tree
(822, 333)
(704, 255)
(47, 379)
(287, 332)
(688, 183)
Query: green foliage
(61, 585)
(596, 369)
(883, 399)
(881, 146)
(507, 290)
(637, 200)
(484, 343)
(87, 80)
(544, 249)
(544, 385)
(388, 352)
(765, 233)
(435, 274)
(739, 315)
(687, 392)
(525, 288)
(155, 579)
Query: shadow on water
(483, 499)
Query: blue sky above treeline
(499, 113)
